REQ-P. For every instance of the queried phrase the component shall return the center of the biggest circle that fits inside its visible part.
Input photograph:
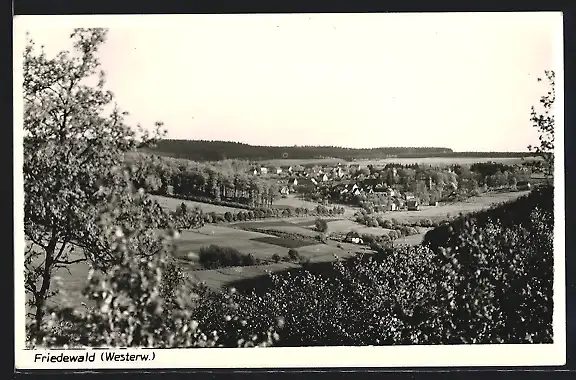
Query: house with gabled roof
(337, 172)
(408, 196)
(398, 202)
(353, 237)
(275, 169)
(306, 183)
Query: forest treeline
(202, 150)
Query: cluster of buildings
(338, 170)
(339, 182)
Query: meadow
(292, 201)
(444, 211)
(170, 203)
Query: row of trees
(187, 218)
(228, 180)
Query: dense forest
(201, 150)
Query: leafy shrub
(501, 262)
(293, 254)
(388, 224)
(356, 303)
(385, 238)
(276, 258)
(368, 238)
(214, 256)
(426, 223)
(321, 225)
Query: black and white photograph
(334, 190)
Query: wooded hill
(201, 150)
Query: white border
(399, 356)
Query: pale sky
(456, 80)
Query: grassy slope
(173, 203)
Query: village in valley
(254, 218)
(314, 210)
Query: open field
(414, 239)
(190, 242)
(439, 213)
(173, 203)
(301, 225)
(345, 226)
(224, 277)
(292, 201)
(70, 283)
(283, 242)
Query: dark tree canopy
(74, 146)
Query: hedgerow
(214, 256)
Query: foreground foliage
(75, 139)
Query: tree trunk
(40, 296)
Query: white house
(353, 237)
(409, 196)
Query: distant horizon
(357, 148)
(460, 80)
